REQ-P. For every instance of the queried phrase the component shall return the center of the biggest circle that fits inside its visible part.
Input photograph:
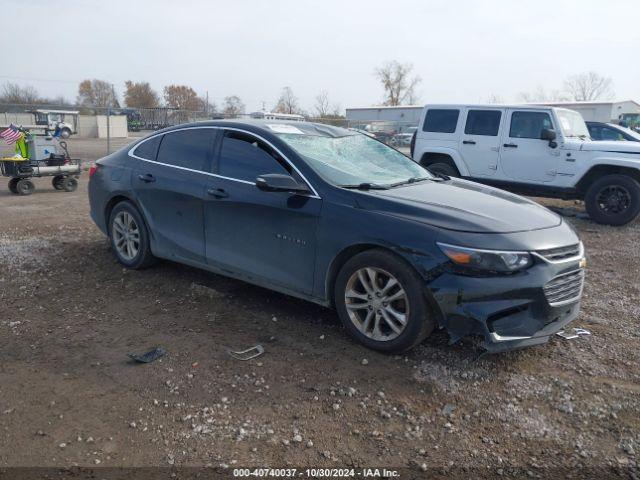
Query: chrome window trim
(131, 154)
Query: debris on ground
(148, 357)
(248, 354)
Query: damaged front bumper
(510, 311)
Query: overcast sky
(465, 51)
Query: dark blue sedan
(338, 218)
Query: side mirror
(276, 182)
(550, 136)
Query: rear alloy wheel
(613, 200)
(381, 302)
(443, 169)
(13, 185)
(25, 187)
(129, 237)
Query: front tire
(613, 200)
(13, 185)
(129, 237)
(381, 302)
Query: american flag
(11, 134)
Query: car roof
(265, 126)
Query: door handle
(469, 142)
(217, 192)
(147, 178)
(510, 145)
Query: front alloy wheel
(376, 303)
(382, 301)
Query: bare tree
(399, 86)
(140, 95)
(321, 105)
(97, 93)
(287, 103)
(14, 93)
(540, 95)
(233, 106)
(336, 110)
(589, 86)
(494, 99)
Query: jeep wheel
(444, 169)
(613, 200)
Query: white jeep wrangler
(532, 150)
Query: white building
(409, 114)
(600, 111)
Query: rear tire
(444, 169)
(371, 313)
(613, 200)
(129, 237)
(25, 187)
(57, 182)
(69, 184)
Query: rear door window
(190, 148)
(245, 157)
(483, 122)
(529, 124)
(148, 149)
(441, 120)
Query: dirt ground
(69, 396)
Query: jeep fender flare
(451, 152)
(607, 166)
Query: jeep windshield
(572, 124)
(350, 159)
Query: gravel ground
(69, 314)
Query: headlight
(494, 260)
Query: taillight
(93, 169)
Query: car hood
(611, 146)
(462, 206)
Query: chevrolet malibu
(338, 218)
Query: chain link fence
(116, 124)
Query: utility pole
(113, 97)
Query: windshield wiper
(409, 181)
(366, 186)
